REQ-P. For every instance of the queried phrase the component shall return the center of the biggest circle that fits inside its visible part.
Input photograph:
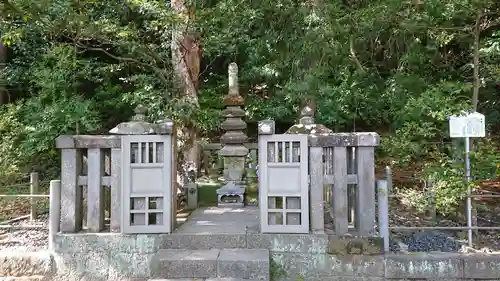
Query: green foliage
(276, 271)
(448, 175)
(11, 132)
(390, 66)
(79, 68)
(423, 119)
(449, 184)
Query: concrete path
(214, 220)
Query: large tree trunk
(3, 60)
(186, 64)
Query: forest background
(399, 68)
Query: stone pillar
(71, 192)
(152, 147)
(233, 150)
(306, 125)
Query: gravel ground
(30, 239)
(427, 241)
(485, 241)
(436, 240)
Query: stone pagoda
(233, 149)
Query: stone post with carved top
(307, 125)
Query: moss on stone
(313, 129)
(355, 245)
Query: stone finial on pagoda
(233, 149)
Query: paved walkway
(215, 220)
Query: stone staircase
(211, 264)
(187, 279)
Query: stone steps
(222, 264)
(197, 241)
(207, 279)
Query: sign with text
(469, 125)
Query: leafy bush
(12, 131)
(448, 175)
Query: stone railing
(339, 164)
(354, 149)
(94, 162)
(336, 162)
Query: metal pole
(54, 211)
(469, 191)
(383, 212)
(388, 173)
(430, 189)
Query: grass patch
(276, 271)
(252, 194)
(207, 194)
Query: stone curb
(29, 266)
(414, 266)
(26, 264)
(27, 278)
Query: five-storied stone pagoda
(233, 149)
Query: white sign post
(468, 125)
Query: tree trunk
(3, 60)
(186, 65)
(475, 62)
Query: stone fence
(92, 152)
(324, 175)
(327, 164)
(136, 164)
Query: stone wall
(421, 266)
(302, 257)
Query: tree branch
(157, 70)
(354, 57)
(477, 81)
(11, 6)
(207, 66)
